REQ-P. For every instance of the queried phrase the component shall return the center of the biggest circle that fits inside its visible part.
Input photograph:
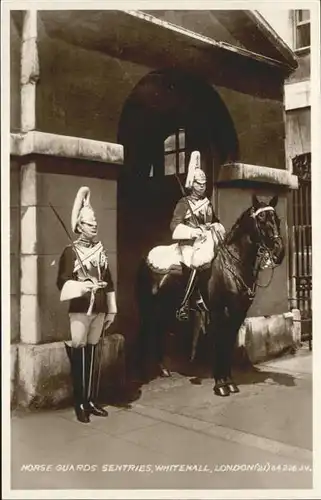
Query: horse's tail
(143, 283)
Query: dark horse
(228, 288)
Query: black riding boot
(182, 313)
(91, 406)
(77, 362)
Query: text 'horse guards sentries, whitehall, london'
(219, 270)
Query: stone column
(29, 71)
(29, 309)
(29, 312)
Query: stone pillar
(29, 309)
(29, 71)
(29, 313)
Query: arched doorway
(167, 116)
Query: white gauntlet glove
(73, 289)
(198, 232)
(183, 232)
(219, 228)
(112, 309)
(109, 319)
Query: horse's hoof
(165, 373)
(221, 390)
(233, 388)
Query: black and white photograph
(158, 338)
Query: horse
(228, 287)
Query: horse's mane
(239, 224)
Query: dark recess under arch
(164, 101)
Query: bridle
(262, 247)
(262, 251)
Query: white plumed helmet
(194, 170)
(82, 209)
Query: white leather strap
(259, 210)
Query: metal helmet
(194, 170)
(82, 210)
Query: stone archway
(160, 104)
(164, 101)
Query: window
(175, 157)
(301, 29)
(175, 153)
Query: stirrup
(182, 314)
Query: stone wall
(40, 374)
(304, 69)
(15, 51)
(298, 126)
(81, 93)
(259, 122)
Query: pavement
(178, 435)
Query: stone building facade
(103, 98)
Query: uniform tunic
(95, 261)
(202, 209)
(195, 253)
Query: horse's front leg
(144, 348)
(234, 319)
(199, 325)
(217, 331)
(159, 336)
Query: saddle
(195, 255)
(165, 258)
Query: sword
(100, 362)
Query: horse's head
(266, 228)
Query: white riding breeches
(85, 329)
